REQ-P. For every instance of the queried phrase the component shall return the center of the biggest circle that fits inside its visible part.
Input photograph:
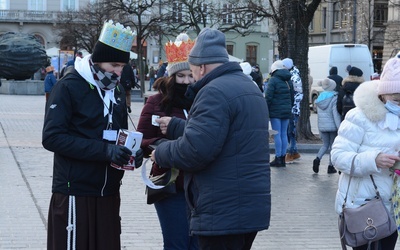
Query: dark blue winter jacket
(224, 152)
(279, 94)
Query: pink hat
(390, 77)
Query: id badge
(110, 135)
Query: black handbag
(367, 223)
(167, 180)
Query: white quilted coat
(363, 134)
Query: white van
(322, 58)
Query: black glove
(139, 158)
(118, 154)
(129, 109)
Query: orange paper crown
(178, 51)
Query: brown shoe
(289, 158)
(296, 156)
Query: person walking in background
(246, 68)
(292, 153)
(162, 69)
(83, 114)
(49, 81)
(370, 134)
(72, 61)
(333, 74)
(257, 78)
(350, 83)
(152, 76)
(170, 101)
(128, 81)
(328, 121)
(279, 97)
(78, 56)
(224, 143)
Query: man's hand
(163, 121)
(118, 154)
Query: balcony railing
(48, 16)
(28, 16)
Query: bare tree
(292, 19)
(230, 15)
(82, 29)
(144, 17)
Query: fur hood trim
(366, 98)
(357, 79)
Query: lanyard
(108, 105)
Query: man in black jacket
(128, 81)
(333, 74)
(82, 118)
(224, 150)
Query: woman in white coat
(371, 134)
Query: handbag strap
(351, 176)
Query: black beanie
(354, 71)
(105, 53)
(333, 71)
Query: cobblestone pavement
(303, 215)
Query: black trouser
(227, 242)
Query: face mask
(180, 89)
(392, 108)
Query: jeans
(292, 132)
(173, 216)
(280, 139)
(327, 140)
(151, 82)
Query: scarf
(84, 69)
(179, 100)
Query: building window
(227, 14)
(336, 15)
(380, 14)
(38, 5)
(4, 4)
(69, 5)
(324, 18)
(229, 48)
(177, 12)
(251, 54)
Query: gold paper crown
(178, 51)
(117, 36)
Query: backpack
(347, 103)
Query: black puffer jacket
(333, 74)
(73, 130)
(349, 84)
